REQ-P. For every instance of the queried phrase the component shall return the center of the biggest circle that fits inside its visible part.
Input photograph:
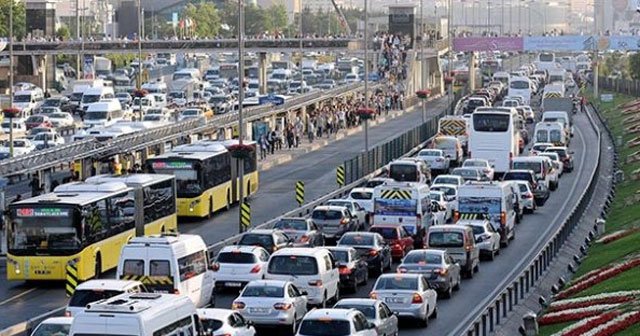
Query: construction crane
(341, 18)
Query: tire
(228, 206)
(448, 293)
(424, 322)
(492, 255)
(435, 313)
(458, 281)
(477, 268)
(470, 273)
(294, 325)
(210, 213)
(98, 269)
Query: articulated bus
(207, 176)
(85, 223)
(493, 136)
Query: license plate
(394, 300)
(259, 310)
(234, 284)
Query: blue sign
(559, 43)
(271, 99)
(623, 43)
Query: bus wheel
(162, 230)
(248, 190)
(98, 269)
(210, 212)
(228, 206)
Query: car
(353, 270)
(215, 322)
(481, 164)
(270, 240)
(376, 312)
(437, 266)
(540, 192)
(356, 210)
(336, 321)
(100, 289)
(61, 119)
(272, 303)
(191, 113)
(529, 205)
(38, 120)
(441, 199)
(36, 130)
(399, 240)
(372, 247)
(235, 266)
(410, 295)
(334, 221)
(436, 159)
(302, 230)
(455, 180)
(61, 103)
(539, 147)
(124, 98)
(558, 165)
(438, 214)
(156, 118)
(487, 239)
(450, 195)
(47, 140)
(58, 326)
(529, 114)
(565, 155)
(470, 174)
(48, 110)
(364, 197)
(20, 147)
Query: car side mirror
(395, 313)
(303, 293)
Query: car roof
(262, 231)
(264, 283)
(363, 189)
(329, 207)
(359, 301)
(399, 275)
(58, 320)
(449, 176)
(107, 284)
(331, 313)
(240, 249)
(476, 222)
(299, 251)
(214, 313)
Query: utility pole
(596, 34)
(240, 109)
(422, 60)
(78, 38)
(11, 74)
(366, 74)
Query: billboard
(488, 44)
(88, 67)
(567, 43)
(559, 43)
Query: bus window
(490, 122)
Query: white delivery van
(140, 314)
(495, 201)
(403, 203)
(561, 117)
(551, 132)
(169, 263)
(310, 269)
(541, 166)
(409, 170)
(27, 101)
(103, 113)
(96, 94)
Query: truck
(564, 104)
(455, 126)
(103, 67)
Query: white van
(551, 132)
(311, 269)
(495, 201)
(103, 113)
(409, 170)
(176, 264)
(155, 87)
(541, 166)
(403, 203)
(27, 101)
(141, 314)
(561, 117)
(96, 94)
(502, 76)
(100, 289)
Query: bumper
(528, 204)
(484, 247)
(439, 284)
(375, 262)
(348, 280)
(413, 311)
(273, 319)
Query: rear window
(285, 224)
(373, 184)
(293, 265)
(256, 239)
(466, 172)
(477, 229)
(263, 291)
(50, 329)
(528, 165)
(325, 327)
(491, 122)
(81, 298)
(403, 172)
(361, 195)
(474, 163)
(555, 136)
(420, 257)
(445, 180)
(517, 176)
(236, 258)
(445, 239)
(397, 282)
(159, 268)
(523, 188)
(355, 239)
(445, 144)
(386, 232)
(340, 256)
(326, 214)
(133, 267)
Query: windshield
(43, 137)
(386, 232)
(327, 327)
(519, 85)
(368, 311)
(474, 163)
(278, 76)
(190, 112)
(446, 180)
(287, 224)
(445, 239)
(422, 258)
(217, 100)
(88, 99)
(361, 195)
(151, 117)
(210, 325)
(522, 176)
(326, 214)
(481, 205)
(263, 291)
(236, 258)
(35, 119)
(187, 177)
(251, 239)
(81, 298)
(356, 239)
(43, 229)
(465, 172)
(541, 135)
(434, 197)
(293, 265)
(491, 122)
(51, 102)
(555, 136)
(22, 98)
(96, 115)
(178, 76)
(52, 329)
(528, 165)
(397, 282)
(340, 256)
(76, 96)
(430, 153)
(403, 172)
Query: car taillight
(237, 305)
(175, 291)
(402, 270)
(503, 218)
(282, 306)
(344, 270)
(373, 295)
(215, 267)
(315, 283)
(304, 239)
(527, 196)
(417, 298)
(442, 271)
(256, 269)
(67, 313)
(344, 221)
(373, 252)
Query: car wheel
(470, 273)
(354, 288)
(424, 322)
(447, 294)
(492, 255)
(476, 269)
(457, 285)
(294, 325)
(435, 312)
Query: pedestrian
(263, 147)
(583, 104)
(271, 140)
(311, 130)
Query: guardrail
(488, 315)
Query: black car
(270, 240)
(371, 246)
(353, 270)
(540, 193)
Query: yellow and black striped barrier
(396, 194)
(72, 278)
(149, 279)
(245, 216)
(300, 192)
(340, 175)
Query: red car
(38, 120)
(397, 237)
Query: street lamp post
(139, 54)
(366, 75)
(422, 60)
(241, 228)
(11, 74)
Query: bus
(493, 136)
(86, 224)
(207, 175)
(521, 86)
(546, 61)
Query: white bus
(521, 86)
(546, 61)
(493, 136)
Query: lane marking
(15, 297)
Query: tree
(205, 18)
(19, 18)
(63, 33)
(634, 66)
(277, 18)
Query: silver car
(355, 208)
(487, 239)
(436, 159)
(376, 312)
(441, 271)
(302, 230)
(408, 294)
(334, 221)
(528, 199)
(272, 303)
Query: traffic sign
(245, 216)
(300, 192)
(340, 175)
(71, 278)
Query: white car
(47, 140)
(226, 322)
(375, 311)
(529, 114)
(96, 290)
(539, 147)
(235, 266)
(487, 239)
(20, 147)
(354, 207)
(59, 326)
(527, 199)
(454, 180)
(438, 214)
(408, 294)
(61, 119)
(555, 158)
(336, 321)
(436, 159)
(364, 197)
(441, 198)
(272, 302)
(450, 195)
(191, 113)
(481, 164)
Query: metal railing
(489, 314)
